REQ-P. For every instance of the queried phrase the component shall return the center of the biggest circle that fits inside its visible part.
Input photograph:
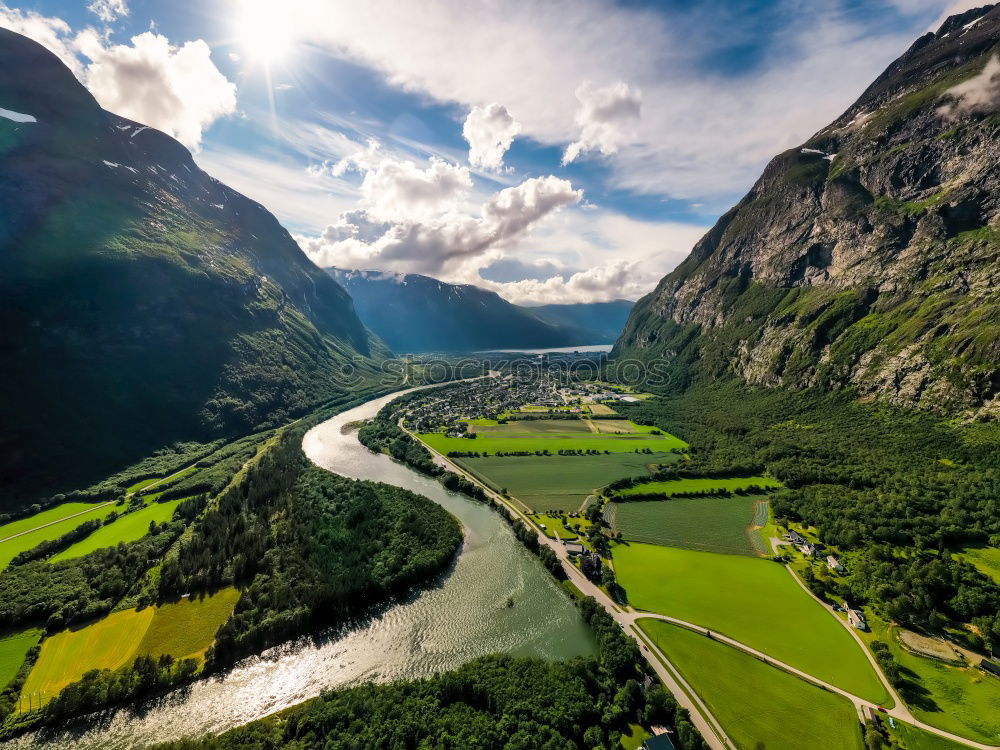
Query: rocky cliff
(867, 257)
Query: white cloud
(981, 93)
(607, 118)
(175, 89)
(489, 130)
(108, 10)
(450, 244)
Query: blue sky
(605, 136)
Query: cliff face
(867, 257)
(143, 302)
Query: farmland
(558, 482)
(126, 529)
(530, 427)
(13, 650)
(554, 443)
(751, 600)
(684, 486)
(54, 522)
(182, 629)
(710, 524)
(757, 705)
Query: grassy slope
(699, 485)
(711, 524)
(758, 705)
(187, 628)
(554, 443)
(986, 560)
(126, 529)
(13, 649)
(754, 601)
(911, 738)
(559, 482)
(10, 549)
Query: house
(807, 549)
(990, 667)
(833, 563)
(795, 537)
(574, 548)
(871, 714)
(857, 619)
(629, 399)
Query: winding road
(702, 717)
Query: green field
(961, 700)
(558, 482)
(554, 526)
(754, 601)
(185, 629)
(13, 649)
(123, 530)
(674, 486)
(986, 560)
(66, 656)
(553, 443)
(62, 518)
(711, 524)
(758, 706)
(911, 738)
(532, 428)
(182, 629)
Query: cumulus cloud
(607, 118)
(175, 89)
(506, 270)
(981, 93)
(393, 236)
(108, 10)
(489, 130)
(618, 280)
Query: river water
(463, 616)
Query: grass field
(758, 706)
(532, 428)
(674, 486)
(633, 738)
(962, 700)
(711, 524)
(126, 529)
(601, 409)
(754, 601)
(554, 443)
(182, 629)
(986, 560)
(185, 629)
(66, 656)
(558, 482)
(555, 529)
(63, 519)
(911, 738)
(13, 649)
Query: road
(685, 695)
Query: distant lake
(590, 349)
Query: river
(441, 627)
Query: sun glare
(263, 31)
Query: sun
(263, 31)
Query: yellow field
(184, 629)
(601, 409)
(106, 644)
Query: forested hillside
(143, 301)
(868, 257)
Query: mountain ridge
(868, 257)
(144, 301)
(412, 312)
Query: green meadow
(710, 524)
(985, 559)
(554, 526)
(531, 428)
(13, 649)
(676, 486)
(758, 705)
(911, 738)
(186, 628)
(122, 530)
(554, 443)
(558, 482)
(751, 600)
(63, 518)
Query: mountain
(414, 313)
(867, 257)
(143, 302)
(603, 321)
